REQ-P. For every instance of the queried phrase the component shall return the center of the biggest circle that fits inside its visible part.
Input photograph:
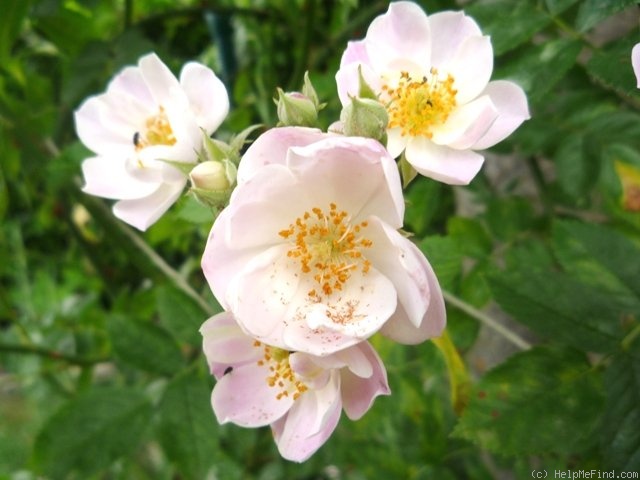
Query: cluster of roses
(307, 259)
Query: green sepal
(364, 90)
(407, 171)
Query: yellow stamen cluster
(328, 248)
(281, 376)
(416, 105)
(157, 132)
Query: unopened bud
(213, 181)
(210, 175)
(365, 117)
(296, 110)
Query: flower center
(417, 105)
(328, 248)
(157, 132)
(281, 377)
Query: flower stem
(485, 319)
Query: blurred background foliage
(101, 373)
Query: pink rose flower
(308, 257)
(146, 117)
(300, 395)
(432, 74)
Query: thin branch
(485, 319)
(177, 279)
(51, 354)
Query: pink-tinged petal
(466, 124)
(358, 393)
(271, 148)
(348, 81)
(455, 167)
(401, 329)
(356, 52)
(162, 84)
(352, 358)
(396, 142)
(511, 102)
(359, 310)
(207, 95)
(129, 83)
(225, 344)
(221, 261)
(328, 167)
(143, 212)
(244, 397)
(402, 32)
(449, 30)
(262, 293)
(109, 178)
(307, 369)
(471, 68)
(396, 258)
(309, 423)
(635, 62)
(105, 140)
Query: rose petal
(396, 142)
(401, 329)
(271, 147)
(466, 124)
(109, 178)
(455, 167)
(207, 95)
(309, 423)
(358, 393)
(245, 398)
(449, 30)
(402, 32)
(635, 62)
(143, 212)
(348, 80)
(395, 257)
(471, 68)
(511, 103)
(225, 344)
(327, 169)
(101, 138)
(162, 84)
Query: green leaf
(509, 217)
(620, 436)
(577, 173)
(516, 23)
(593, 12)
(612, 66)
(187, 428)
(541, 67)
(144, 345)
(541, 401)
(557, 306)
(13, 13)
(90, 432)
(610, 249)
(470, 236)
(444, 257)
(180, 315)
(556, 7)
